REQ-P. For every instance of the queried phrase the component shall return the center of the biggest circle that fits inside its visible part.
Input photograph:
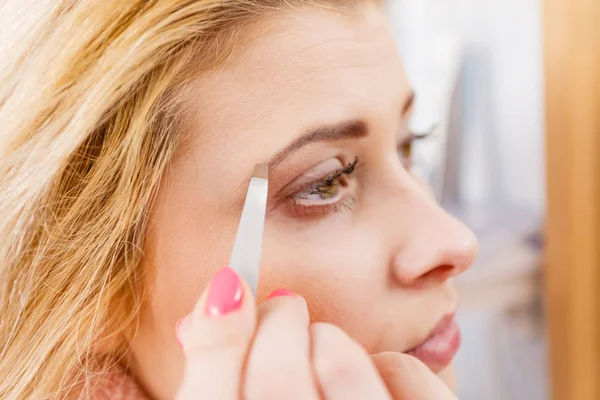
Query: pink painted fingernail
(281, 293)
(225, 293)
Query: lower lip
(439, 350)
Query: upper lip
(441, 325)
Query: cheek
(185, 247)
(343, 282)
(181, 254)
(347, 280)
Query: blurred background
(513, 157)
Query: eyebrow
(353, 129)
(348, 129)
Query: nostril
(440, 273)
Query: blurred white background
(476, 66)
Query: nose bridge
(427, 238)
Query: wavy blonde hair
(89, 111)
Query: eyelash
(405, 149)
(320, 187)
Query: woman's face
(370, 251)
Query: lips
(438, 350)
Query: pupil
(329, 189)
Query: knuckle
(271, 375)
(337, 359)
(276, 387)
(212, 335)
(337, 371)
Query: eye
(406, 148)
(324, 190)
(405, 152)
(329, 193)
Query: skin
(380, 267)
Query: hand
(235, 350)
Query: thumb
(407, 378)
(215, 338)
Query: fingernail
(178, 328)
(225, 293)
(281, 293)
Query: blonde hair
(89, 120)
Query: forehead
(304, 68)
(311, 53)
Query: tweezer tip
(261, 171)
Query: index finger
(216, 338)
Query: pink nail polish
(281, 293)
(225, 293)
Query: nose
(434, 246)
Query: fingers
(343, 369)
(215, 339)
(279, 362)
(448, 376)
(407, 378)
